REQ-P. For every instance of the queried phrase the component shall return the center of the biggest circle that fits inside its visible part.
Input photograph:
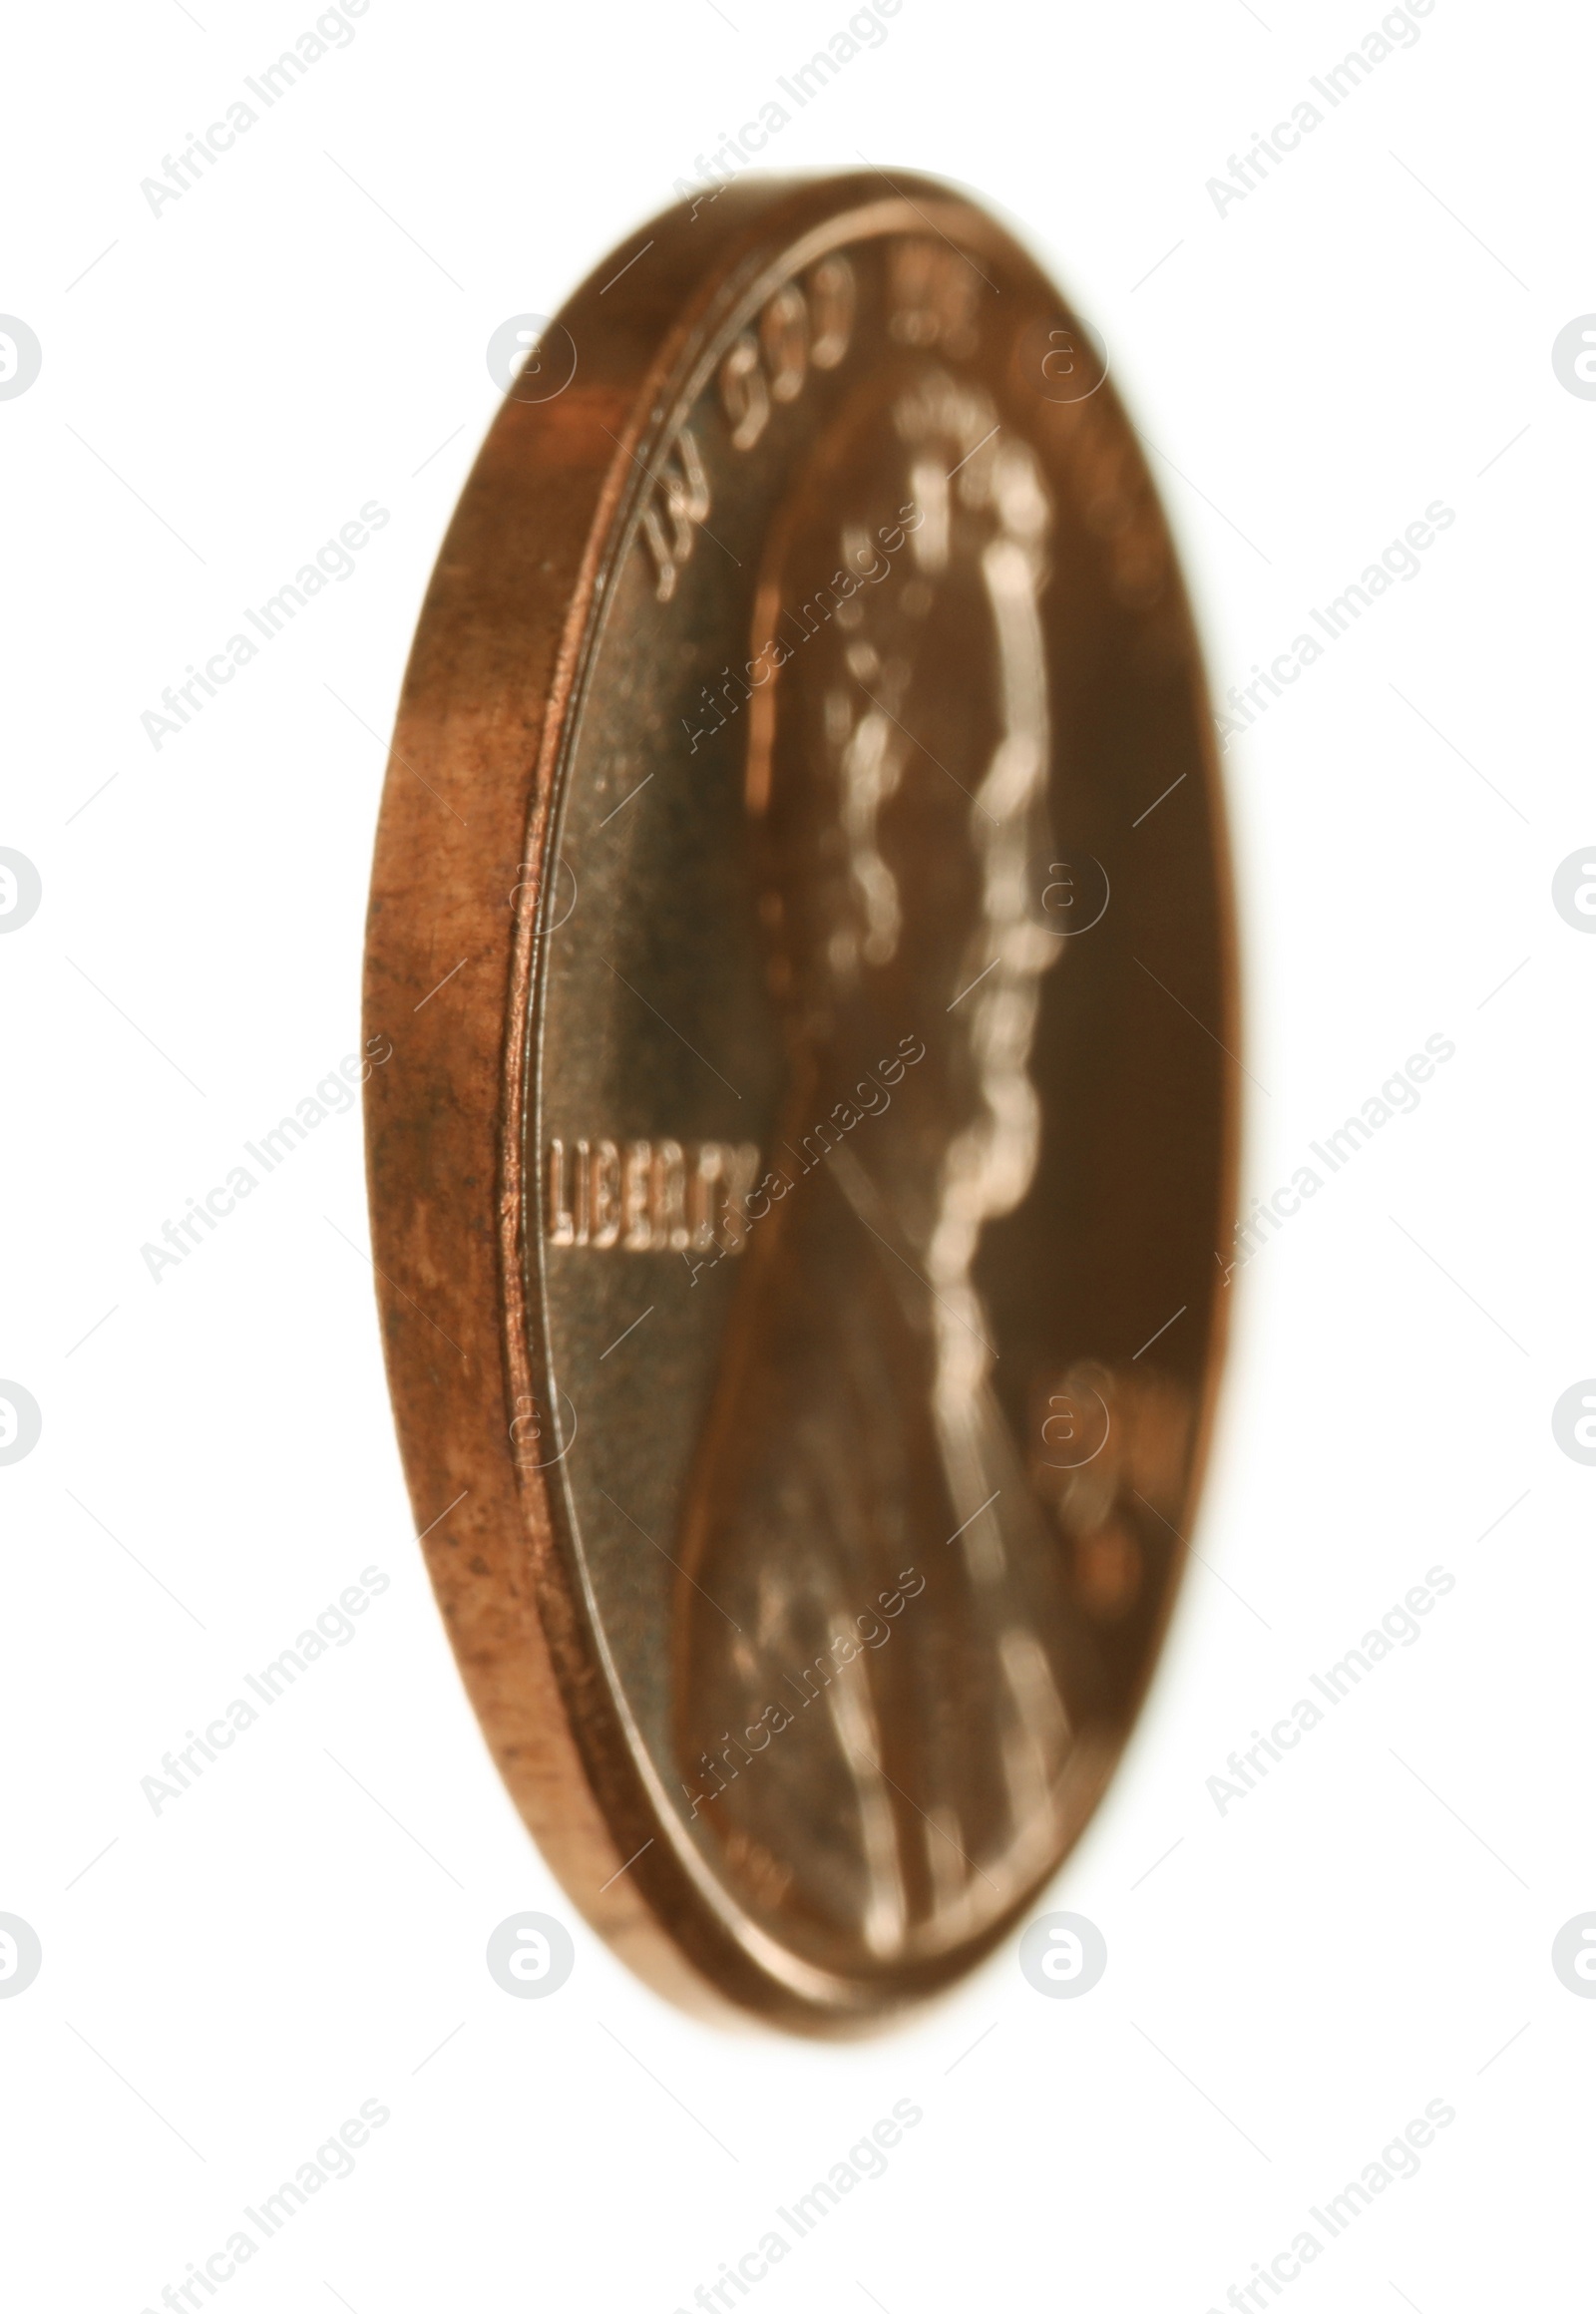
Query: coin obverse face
(801, 922)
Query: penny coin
(801, 927)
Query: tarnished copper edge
(1230, 1033)
(1219, 860)
(535, 1682)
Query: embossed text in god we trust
(654, 1196)
(806, 325)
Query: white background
(1290, 1983)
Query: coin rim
(488, 712)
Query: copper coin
(801, 915)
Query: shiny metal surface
(797, 1213)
